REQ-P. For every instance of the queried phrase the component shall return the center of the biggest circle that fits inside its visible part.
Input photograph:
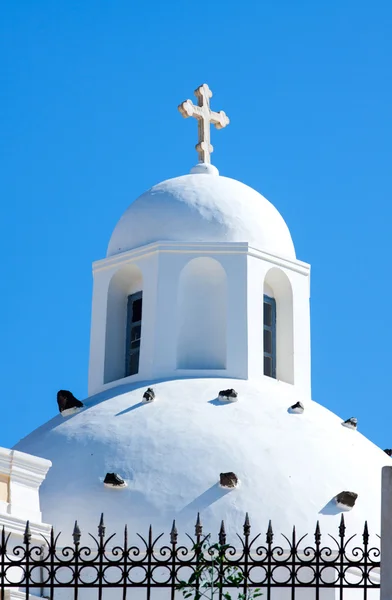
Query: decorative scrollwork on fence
(334, 562)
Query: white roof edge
(197, 247)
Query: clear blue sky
(88, 109)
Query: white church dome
(202, 207)
(171, 453)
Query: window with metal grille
(134, 330)
(269, 336)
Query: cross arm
(188, 109)
(219, 119)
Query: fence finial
(247, 525)
(198, 526)
(27, 533)
(294, 537)
(222, 534)
(342, 527)
(101, 527)
(173, 533)
(317, 533)
(365, 534)
(270, 534)
(76, 533)
(52, 540)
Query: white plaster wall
(202, 315)
(302, 347)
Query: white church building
(200, 292)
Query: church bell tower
(200, 280)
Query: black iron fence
(204, 565)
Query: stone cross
(204, 116)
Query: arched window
(269, 336)
(278, 329)
(123, 323)
(134, 333)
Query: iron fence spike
(27, 533)
(365, 528)
(342, 526)
(317, 533)
(173, 533)
(365, 534)
(247, 525)
(198, 526)
(270, 533)
(3, 541)
(76, 534)
(101, 527)
(222, 534)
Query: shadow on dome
(331, 508)
(130, 408)
(213, 494)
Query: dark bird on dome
(67, 402)
(388, 451)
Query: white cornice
(198, 248)
(27, 469)
(17, 526)
(23, 468)
(5, 461)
